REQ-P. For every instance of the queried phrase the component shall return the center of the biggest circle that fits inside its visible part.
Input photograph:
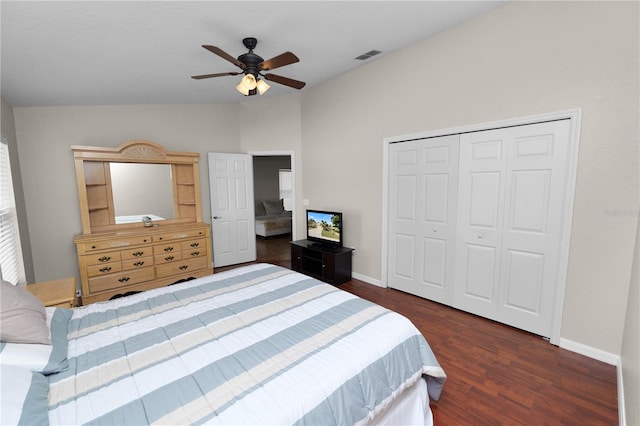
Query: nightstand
(59, 293)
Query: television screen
(324, 227)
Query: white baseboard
(622, 419)
(603, 356)
(589, 351)
(366, 279)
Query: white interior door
(480, 216)
(534, 204)
(232, 208)
(512, 198)
(422, 217)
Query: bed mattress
(255, 345)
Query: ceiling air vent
(367, 55)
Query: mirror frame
(95, 191)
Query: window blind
(11, 263)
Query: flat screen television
(324, 227)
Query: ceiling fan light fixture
(249, 81)
(242, 89)
(262, 86)
(252, 67)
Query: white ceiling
(144, 52)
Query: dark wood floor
(497, 375)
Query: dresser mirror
(141, 190)
(136, 184)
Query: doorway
(274, 186)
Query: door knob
(217, 217)
(480, 236)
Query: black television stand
(329, 264)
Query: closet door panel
(435, 259)
(480, 217)
(403, 215)
(479, 278)
(405, 256)
(423, 182)
(535, 201)
(524, 272)
(484, 195)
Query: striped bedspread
(255, 345)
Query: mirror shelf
(117, 187)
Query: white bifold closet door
(475, 221)
(422, 217)
(512, 199)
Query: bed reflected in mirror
(141, 190)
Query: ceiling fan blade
(220, 74)
(224, 55)
(281, 60)
(286, 81)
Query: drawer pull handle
(138, 253)
(105, 269)
(104, 259)
(195, 253)
(194, 245)
(183, 267)
(168, 258)
(140, 263)
(124, 279)
(168, 249)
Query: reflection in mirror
(141, 190)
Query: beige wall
(523, 59)
(274, 125)
(45, 135)
(266, 176)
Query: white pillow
(33, 356)
(22, 316)
(46, 359)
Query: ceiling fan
(253, 67)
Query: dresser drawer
(167, 257)
(171, 247)
(137, 263)
(193, 244)
(136, 253)
(182, 267)
(107, 268)
(103, 258)
(194, 252)
(122, 279)
(116, 243)
(188, 233)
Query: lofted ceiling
(62, 53)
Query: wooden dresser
(141, 219)
(119, 262)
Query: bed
(259, 344)
(271, 218)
